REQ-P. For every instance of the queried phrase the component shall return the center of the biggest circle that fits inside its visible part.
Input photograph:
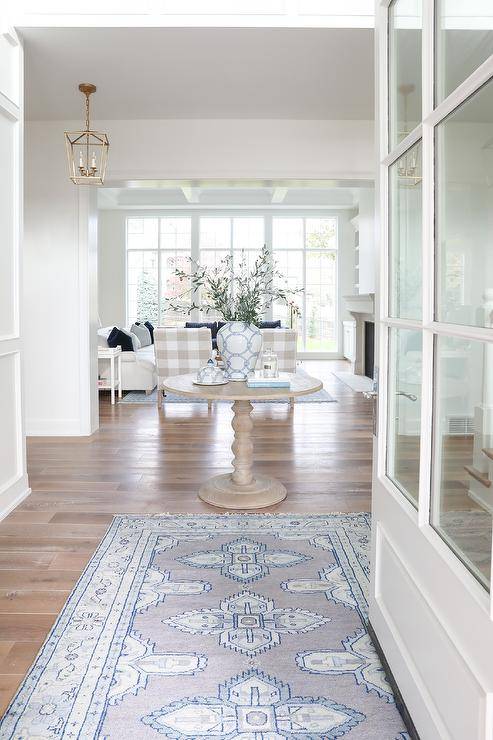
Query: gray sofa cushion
(143, 333)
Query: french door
(431, 604)
(13, 479)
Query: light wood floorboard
(141, 461)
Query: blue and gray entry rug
(214, 626)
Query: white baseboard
(54, 428)
(12, 503)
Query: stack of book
(258, 381)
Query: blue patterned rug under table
(142, 398)
(214, 626)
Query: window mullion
(195, 255)
(268, 243)
(159, 313)
(304, 285)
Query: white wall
(366, 220)
(111, 272)
(56, 253)
(13, 477)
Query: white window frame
(267, 215)
(305, 251)
(159, 250)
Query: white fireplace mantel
(362, 308)
(361, 303)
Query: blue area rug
(214, 626)
(141, 397)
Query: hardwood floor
(141, 461)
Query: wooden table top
(182, 385)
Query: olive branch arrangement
(237, 293)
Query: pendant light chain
(87, 112)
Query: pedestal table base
(242, 489)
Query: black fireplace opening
(369, 348)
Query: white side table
(112, 354)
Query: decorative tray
(222, 382)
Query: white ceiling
(207, 194)
(200, 73)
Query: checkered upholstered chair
(179, 351)
(283, 342)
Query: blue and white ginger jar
(239, 344)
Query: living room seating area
(184, 349)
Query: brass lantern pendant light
(87, 151)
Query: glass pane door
(464, 208)
(464, 40)
(463, 450)
(404, 53)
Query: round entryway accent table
(243, 488)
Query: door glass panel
(464, 208)
(404, 68)
(463, 450)
(405, 237)
(464, 40)
(404, 410)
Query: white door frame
(432, 618)
(14, 485)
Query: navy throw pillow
(117, 338)
(270, 324)
(212, 325)
(151, 330)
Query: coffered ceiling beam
(191, 194)
(278, 195)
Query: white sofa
(138, 368)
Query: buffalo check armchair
(179, 351)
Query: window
(239, 237)
(155, 248)
(242, 238)
(305, 250)
(303, 247)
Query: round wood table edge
(227, 393)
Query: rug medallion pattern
(164, 635)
